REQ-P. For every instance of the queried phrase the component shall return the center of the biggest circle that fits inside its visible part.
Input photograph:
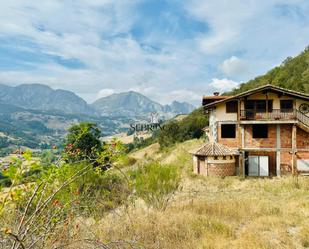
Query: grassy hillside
(120, 209)
(292, 74)
(208, 212)
(213, 212)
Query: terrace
(274, 115)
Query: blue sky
(167, 50)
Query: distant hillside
(42, 97)
(292, 74)
(133, 104)
(37, 116)
(179, 107)
(42, 129)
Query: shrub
(186, 129)
(127, 161)
(156, 183)
(43, 200)
(82, 142)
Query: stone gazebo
(214, 159)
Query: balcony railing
(303, 118)
(274, 114)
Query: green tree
(83, 142)
(188, 128)
(292, 74)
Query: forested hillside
(292, 74)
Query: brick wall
(221, 169)
(286, 135)
(269, 142)
(286, 162)
(302, 139)
(230, 142)
(302, 155)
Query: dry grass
(211, 213)
(149, 152)
(206, 212)
(244, 214)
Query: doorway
(258, 166)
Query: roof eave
(252, 91)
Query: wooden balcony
(274, 114)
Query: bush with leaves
(156, 183)
(188, 128)
(33, 214)
(82, 142)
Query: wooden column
(238, 125)
(267, 115)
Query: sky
(165, 49)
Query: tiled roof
(216, 97)
(258, 89)
(214, 149)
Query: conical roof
(215, 149)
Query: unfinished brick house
(268, 126)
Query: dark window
(286, 105)
(270, 105)
(259, 105)
(216, 158)
(232, 107)
(228, 131)
(260, 131)
(250, 104)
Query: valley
(37, 117)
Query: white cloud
(182, 95)
(98, 34)
(223, 85)
(226, 21)
(261, 30)
(234, 66)
(105, 92)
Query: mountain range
(42, 97)
(36, 116)
(130, 104)
(134, 104)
